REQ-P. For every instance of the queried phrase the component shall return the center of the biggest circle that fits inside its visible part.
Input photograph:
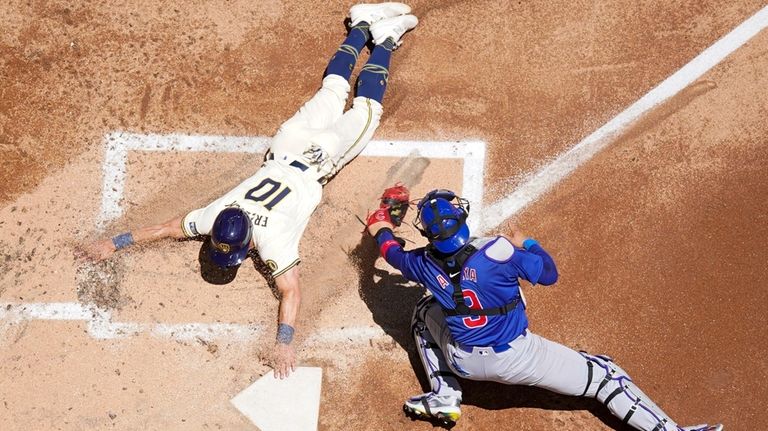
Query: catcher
(473, 324)
(270, 210)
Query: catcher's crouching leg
(610, 384)
(443, 402)
(442, 378)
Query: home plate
(291, 404)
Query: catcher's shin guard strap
(425, 403)
(443, 373)
(590, 372)
(622, 397)
(631, 411)
(613, 394)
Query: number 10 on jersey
(267, 187)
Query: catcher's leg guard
(442, 378)
(611, 385)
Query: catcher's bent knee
(420, 311)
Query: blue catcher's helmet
(443, 223)
(230, 237)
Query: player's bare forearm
(290, 296)
(104, 248)
(290, 300)
(169, 229)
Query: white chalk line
(101, 326)
(118, 144)
(544, 179)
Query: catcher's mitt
(396, 200)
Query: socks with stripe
(343, 61)
(372, 81)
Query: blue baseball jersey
(489, 279)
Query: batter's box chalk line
(101, 326)
(118, 144)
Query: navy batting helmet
(443, 223)
(230, 237)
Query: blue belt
(296, 164)
(299, 165)
(498, 348)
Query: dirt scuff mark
(99, 284)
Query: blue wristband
(528, 243)
(122, 241)
(284, 333)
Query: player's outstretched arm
(284, 356)
(104, 248)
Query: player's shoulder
(495, 248)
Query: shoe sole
(446, 420)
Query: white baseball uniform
(309, 148)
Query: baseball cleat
(374, 12)
(393, 28)
(443, 410)
(704, 427)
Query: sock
(372, 81)
(343, 61)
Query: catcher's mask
(230, 237)
(443, 223)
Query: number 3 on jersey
(474, 303)
(267, 187)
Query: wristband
(122, 241)
(528, 243)
(284, 333)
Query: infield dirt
(661, 240)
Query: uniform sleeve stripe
(184, 228)
(294, 263)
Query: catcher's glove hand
(396, 200)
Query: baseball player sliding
(473, 325)
(270, 210)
